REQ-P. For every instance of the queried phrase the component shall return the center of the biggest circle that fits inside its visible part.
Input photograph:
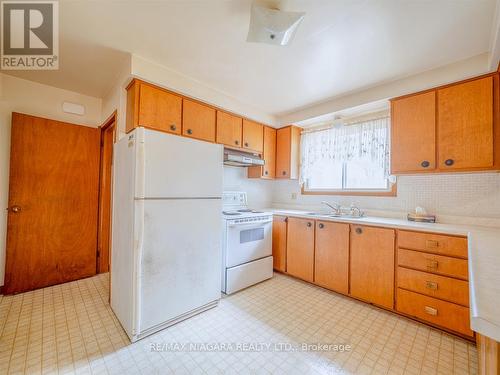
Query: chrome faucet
(355, 211)
(335, 207)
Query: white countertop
(484, 262)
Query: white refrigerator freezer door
(169, 166)
(181, 258)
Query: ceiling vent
(273, 26)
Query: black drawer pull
(449, 162)
(425, 164)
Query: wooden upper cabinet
(279, 242)
(331, 256)
(465, 125)
(269, 155)
(153, 108)
(372, 265)
(198, 121)
(288, 152)
(253, 136)
(229, 129)
(300, 248)
(413, 133)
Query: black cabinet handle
(266, 173)
(425, 164)
(284, 173)
(236, 142)
(189, 131)
(309, 224)
(449, 162)
(173, 127)
(359, 230)
(321, 225)
(246, 144)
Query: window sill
(369, 193)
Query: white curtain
(343, 143)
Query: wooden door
(331, 256)
(198, 121)
(229, 129)
(300, 248)
(288, 152)
(53, 203)
(413, 133)
(465, 125)
(279, 243)
(267, 171)
(253, 136)
(372, 265)
(108, 136)
(159, 109)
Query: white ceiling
(341, 46)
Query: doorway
(53, 199)
(108, 139)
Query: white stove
(247, 243)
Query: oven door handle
(254, 223)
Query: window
(350, 158)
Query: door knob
(173, 127)
(425, 164)
(15, 209)
(246, 144)
(189, 131)
(321, 225)
(309, 224)
(359, 230)
(449, 162)
(236, 142)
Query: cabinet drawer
(438, 264)
(433, 243)
(444, 314)
(442, 287)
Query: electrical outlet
(294, 196)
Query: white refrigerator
(166, 231)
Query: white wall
(260, 192)
(19, 95)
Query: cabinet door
(158, 109)
(269, 168)
(253, 136)
(229, 129)
(465, 125)
(198, 121)
(269, 155)
(288, 152)
(300, 248)
(279, 243)
(331, 256)
(413, 133)
(372, 265)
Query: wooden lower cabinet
(427, 282)
(300, 248)
(331, 260)
(488, 355)
(279, 243)
(372, 265)
(445, 314)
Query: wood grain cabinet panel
(288, 152)
(372, 265)
(465, 125)
(442, 287)
(331, 256)
(153, 108)
(253, 136)
(300, 248)
(413, 133)
(445, 314)
(438, 264)
(229, 129)
(279, 243)
(268, 170)
(433, 243)
(198, 121)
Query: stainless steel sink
(345, 216)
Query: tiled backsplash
(462, 195)
(454, 198)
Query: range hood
(241, 159)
